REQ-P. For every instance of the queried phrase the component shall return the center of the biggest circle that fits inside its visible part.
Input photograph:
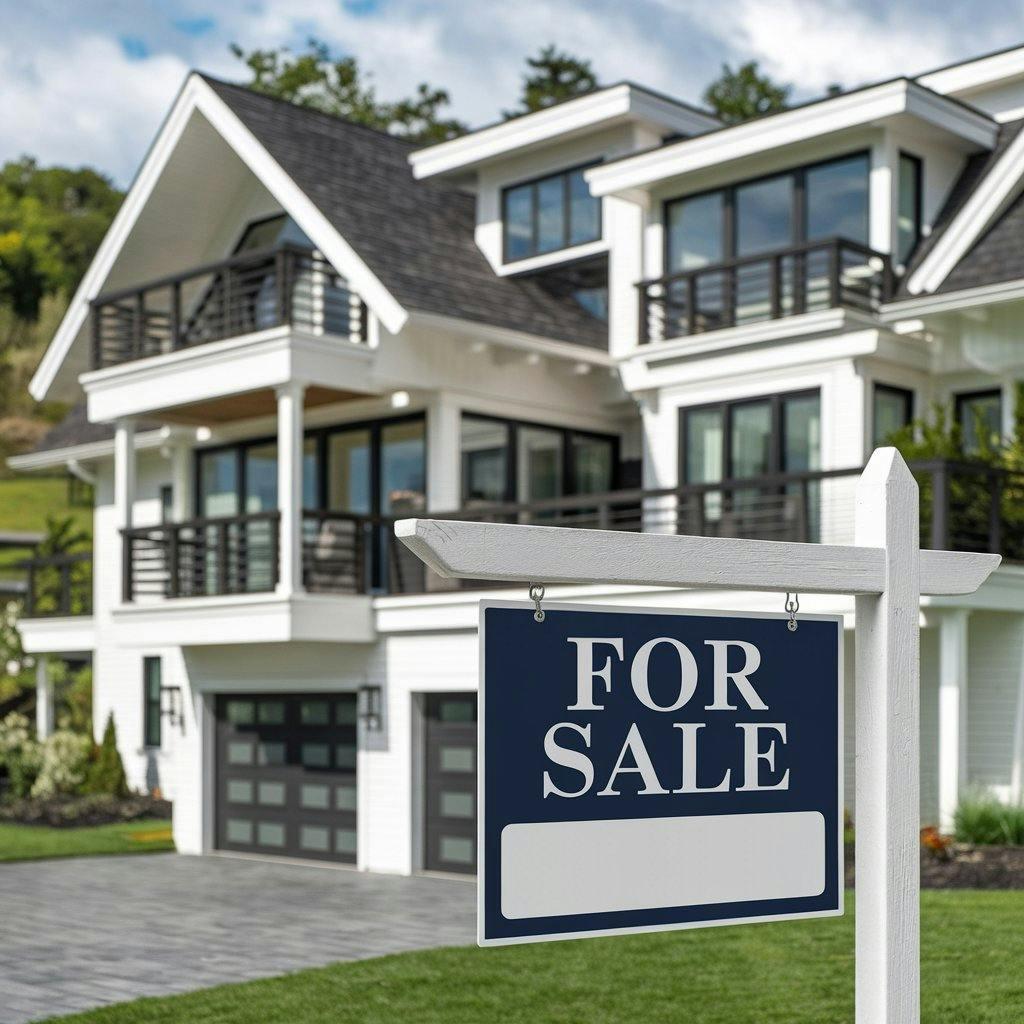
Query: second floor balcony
(964, 506)
(827, 274)
(286, 286)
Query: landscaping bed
(964, 866)
(79, 811)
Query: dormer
(534, 208)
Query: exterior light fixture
(399, 399)
(370, 705)
(172, 708)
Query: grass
(33, 842)
(25, 502)
(792, 973)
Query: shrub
(64, 763)
(982, 820)
(106, 772)
(20, 754)
(76, 811)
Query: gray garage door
(450, 804)
(286, 775)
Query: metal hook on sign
(792, 606)
(536, 596)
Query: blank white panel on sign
(586, 867)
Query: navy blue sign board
(645, 770)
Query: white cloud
(69, 93)
(85, 102)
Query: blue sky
(87, 81)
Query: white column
(887, 700)
(444, 492)
(44, 698)
(952, 712)
(124, 472)
(289, 485)
(181, 482)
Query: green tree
(337, 85)
(553, 76)
(106, 770)
(740, 94)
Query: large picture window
(892, 409)
(819, 201)
(749, 440)
(509, 461)
(548, 214)
(980, 416)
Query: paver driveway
(78, 933)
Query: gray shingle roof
(993, 257)
(416, 236)
(73, 430)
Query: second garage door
(286, 775)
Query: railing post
(833, 274)
(30, 590)
(64, 603)
(171, 536)
(127, 589)
(643, 334)
(97, 336)
(775, 286)
(176, 315)
(226, 293)
(139, 325)
(222, 559)
(691, 304)
(995, 513)
(940, 506)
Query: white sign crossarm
(554, 554)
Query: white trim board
(197, 95)
(585, 113)
(990, 198)
(864, 106)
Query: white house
(614, 312)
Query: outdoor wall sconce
(370, 703)
(173, 708)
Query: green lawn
(793, 973)
(30, 842)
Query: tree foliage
(106, 770)
(744, 92)
(337, 85)
(51, 221)
(552, 77)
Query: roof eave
(867, 106)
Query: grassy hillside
(25, 503)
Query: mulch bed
(965, 867)
(77, 811)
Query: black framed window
(550, 213)
(152, 680)
(980, 417)
(514, 461)
(816, 201)
(909, 204)
(166, 503)
(892, 409)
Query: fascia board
(197, 95)
(976, 74)
(81, 452)
(952, 302)
(799, 125)
(987, 201)
(520, 132)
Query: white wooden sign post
(885, 571)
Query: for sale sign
(647, 770)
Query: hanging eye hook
(792, 606)
(536, 596)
